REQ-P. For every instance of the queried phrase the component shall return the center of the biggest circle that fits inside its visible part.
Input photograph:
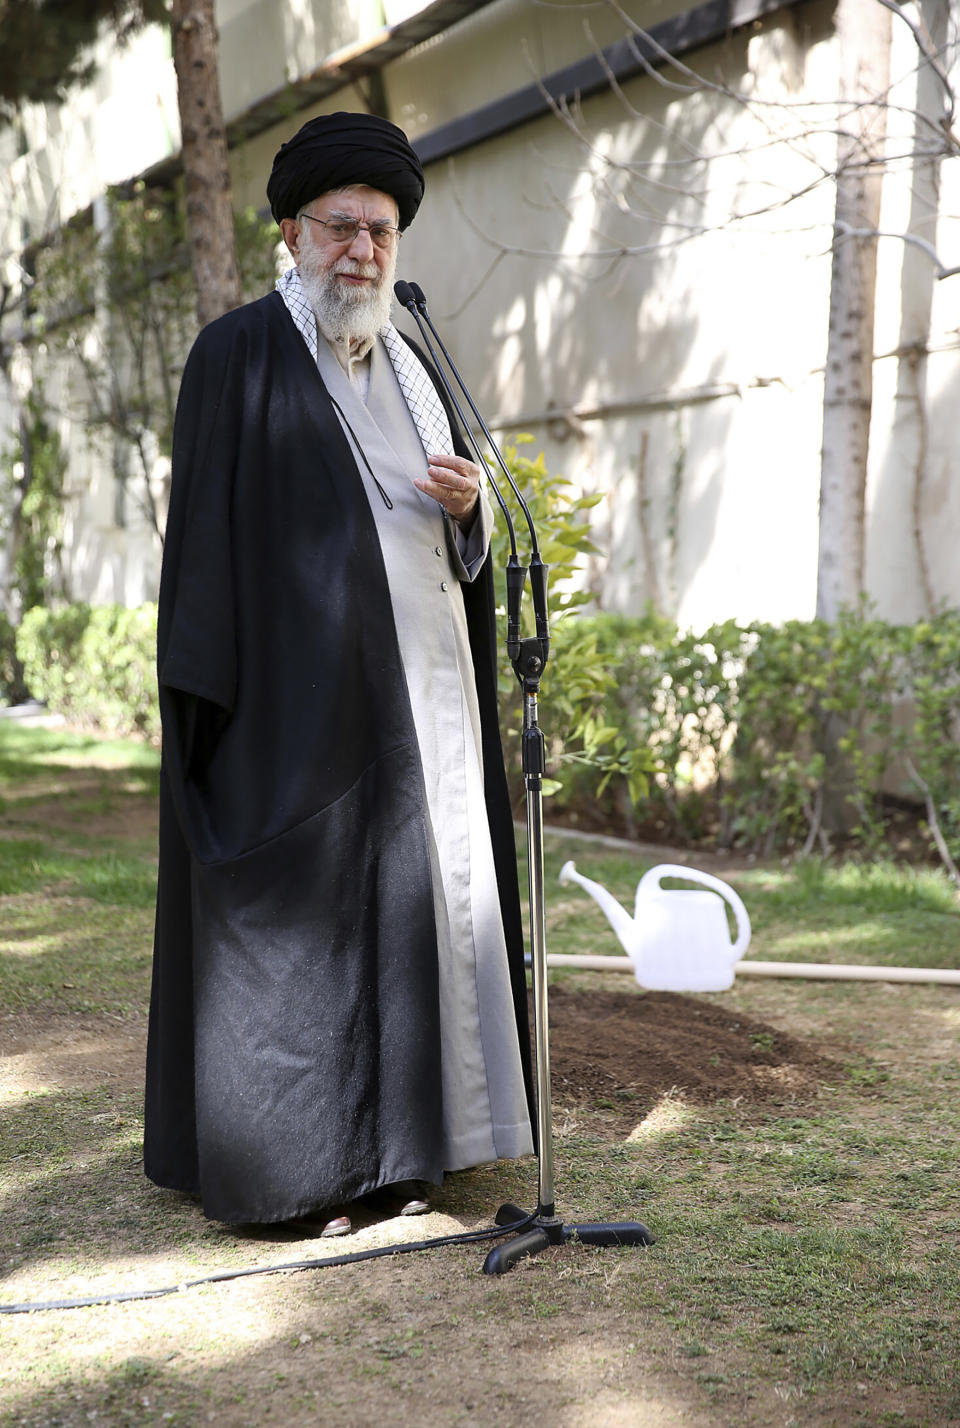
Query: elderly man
(338, 1001)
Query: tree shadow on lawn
(79, 1216)
(428, 1341)
(72, 965)
(79, 1200)
(578, 1337)
(116, 804)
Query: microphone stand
(529, 658)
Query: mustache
(354, 269)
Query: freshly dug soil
(623, 1051)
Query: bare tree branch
(844, 230)
(932, 821)
(929, 51)
(698, 82)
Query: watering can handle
(693, 875)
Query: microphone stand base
(548, 1230)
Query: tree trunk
(863, 38)
(213, 251)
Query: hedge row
(763, 736)
(773, 737)
(94, 664)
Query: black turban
(340, 149)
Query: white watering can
(678, 939)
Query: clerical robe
(328, 1012)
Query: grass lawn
(806, 1269)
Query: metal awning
(340, 68)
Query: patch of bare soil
(625, 1051)
(98, 805)
(127, 820)
(67, 1051)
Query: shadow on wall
(937, 509)
(653, 339)
(912, 510)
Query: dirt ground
(623, 1053)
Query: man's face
(349, 283)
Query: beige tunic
(484, 1105)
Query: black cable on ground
(467, 1237)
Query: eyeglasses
(345, 230)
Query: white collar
(416, 384)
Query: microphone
(538, 571)
(405, 295)
(516, 573)
(421, 308)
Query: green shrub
(929, 743)
(760, 736)
(13, 690)
(32, 471)
(778, 765)
(94, 665)
(580, 740)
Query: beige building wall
(680, 372)
(698, 365)
(691, 364)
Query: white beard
(345, 313)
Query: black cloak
(294, 1042)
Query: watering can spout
(678, 938)
(618, 917)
